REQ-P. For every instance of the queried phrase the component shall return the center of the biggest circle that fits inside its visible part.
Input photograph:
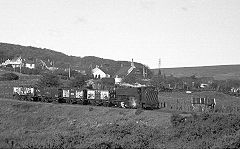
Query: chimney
(132, 64)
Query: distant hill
(220, 72)
(61, 60)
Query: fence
(185, 105)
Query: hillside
(61, 60)
(218, 72)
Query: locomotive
(136, 97)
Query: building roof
(123, 71)
(16, 59)
(29, 62)
(105, 70)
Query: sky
(182, 33)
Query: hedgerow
(9, 77)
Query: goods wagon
(71, 95)
(46, 94)
(24, 93)
(35, 94)
(98, 97)
(145, 97)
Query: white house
(16, 62)
(100, 73)
(29, 64)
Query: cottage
(29, 64)
(100, 73)
(16, 62)
(126, 71)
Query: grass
(24, 124)
(220, 72)
(45, 125)
(182, 102)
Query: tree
(79, 81)
(49, 80)
(157, 81)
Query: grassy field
(182, 100)
(219, 72)
(44, 125)
(25, 124)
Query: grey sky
(180, 32)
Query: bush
(177, 119)
(202, 131)
(8, 77)
(49, 80)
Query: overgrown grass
(207, 131)
(39, 125)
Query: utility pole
(20, 64)
(159, 66)
(69, 72)
(143, 72)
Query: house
(83, 72)
(127, 71)
(16, 62)
(47, 65)
(29, 64)
(19, 62)
(100, 72)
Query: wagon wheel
(80, 101)
(143, 106)
(16, 96)
(105, 104)
(71, 101)
(55, 100)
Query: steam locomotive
(137, 97)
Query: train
(134, 97)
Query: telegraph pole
(69, 72)
(159, 66)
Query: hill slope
(9, 51)
(218, 72)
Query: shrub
(203, 130)
(90, 109)
(177, 119)
(139, 111)
(9, 76)
(49, 80)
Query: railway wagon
(141, 97)
(35, 94)
(24, 93)
(98, 97)
(49, 94)
(71, 95)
